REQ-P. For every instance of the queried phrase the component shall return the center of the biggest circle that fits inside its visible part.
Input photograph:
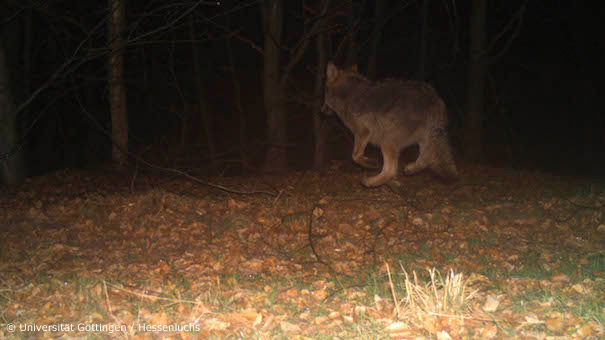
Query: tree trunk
(11, 152)
(117, 91)
(424, 34)
(476, 81)
(351, 56)
(378, 22)
(318, 129)
(273, 95)
(237, 100)
(202, 97)
(148, 85)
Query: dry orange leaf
(290, 327)
(555, 324)
(320, 294)
(559, 277)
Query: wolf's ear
(331, 72)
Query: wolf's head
(336, 79)
(334, 75)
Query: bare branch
(249, 42)
(304, 42)
(71, 62)
(519, 18)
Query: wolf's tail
(444, 166)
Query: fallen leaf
(586, 331)
(491, 303)
(398, 326)
(258, 321)
(320, 319)
(268, 323)
(400, 330)
(292, 293)
(305, 316)
(360, 310)
(216, 324)
(580, 289)
(379, 303)
(559, 277)
(320, 294)
(443, 335)
(555, 324)
(160, 319)
(488, 331)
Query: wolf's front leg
(390, 160)
(362, 137)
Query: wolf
(391, 114)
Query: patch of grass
(236, 292)
(567, 263)
(595, 265)
(449, 294)
(448, 256)
(358, 330)
(473, 242)
(588, 190)
(490, 271)
(413, 260)
(490, 238)
(423, 302)
(522, 301)
(531, 267)
(589, 306)
(178, 283)
(407, 259)
(367, 276)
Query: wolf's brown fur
(392, 114)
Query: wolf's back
(392, 114)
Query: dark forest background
(196, 94)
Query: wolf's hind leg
(422, 162)
(362, 137)
(444, 164)
(390, 157)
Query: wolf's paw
(394, 184)
(368, 182)
(375, 181)
(411, 169)
(367, 162)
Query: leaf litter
(500, 254)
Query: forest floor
(500, 254)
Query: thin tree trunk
(186, 109)
(117, 91)
(476, 81)
(378, 21)
(28, 39)
(237, 100)
(318, 130)
(424, 34)
(351, 57)
(275, 158)
(147, 85)
(202, 97)
(11, 153)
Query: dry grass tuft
(441, 297)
